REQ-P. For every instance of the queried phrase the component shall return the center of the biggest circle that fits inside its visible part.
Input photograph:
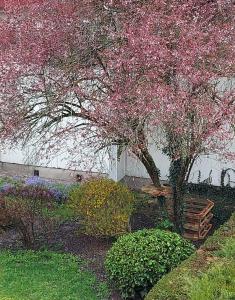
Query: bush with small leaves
(138, 260)
(104, 207)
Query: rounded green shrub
(104, 207)
(138, 260)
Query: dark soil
(93, 250)
(90, 249)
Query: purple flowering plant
(59, 191)
(36, 180)
(31, 204)
(35, 187)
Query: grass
(28, 275)
(61, 212)
(218, 283)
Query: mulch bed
(92, 250)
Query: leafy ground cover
(28, 275)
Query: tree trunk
(178, 196)
(145, 157)
(142, 153)
(178, 175)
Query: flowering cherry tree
(177, 58)
(121, 72)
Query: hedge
(176, 284)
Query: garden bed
(68, 237)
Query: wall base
(12, 169)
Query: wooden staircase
(197, 215)
(197, 212)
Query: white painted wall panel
(91, 162)
(129, 165)
(135, 168)
(204, 164)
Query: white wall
(117, 165)
(90, 162)
(135, 168)
(129, 165)
(204, 164)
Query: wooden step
(204, 232)
(196, 226)
(191, 235)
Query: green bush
(218, 283)
(218, 249)
(138, 260)
(104, 207)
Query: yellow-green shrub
(103, 205)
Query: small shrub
(165, 224)
(138, 260)
(44, 188)
(34, 192)
(27, 212)
(104, 207)
(58, 191)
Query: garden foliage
(29, 205)
(218, 283)
(206, 275)
(46, 188)
(28, 214)
(138, 260)
(104, 206)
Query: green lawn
(28, 275)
